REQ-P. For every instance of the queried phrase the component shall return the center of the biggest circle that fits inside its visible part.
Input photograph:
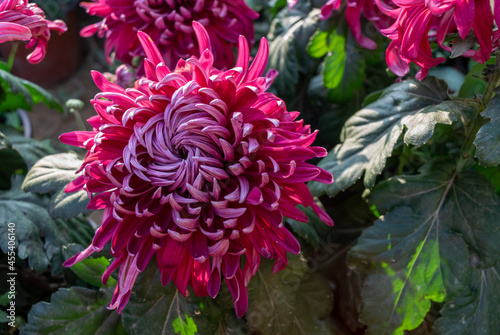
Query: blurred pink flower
(353, 12)
(168, 23)
(197, 166)
(20, 20)
(418, 21)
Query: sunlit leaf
(418, 251)
(51, 174)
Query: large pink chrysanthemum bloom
(168, 23)
(23, 21)
(418, 21)
(353, 12)
(196, 166)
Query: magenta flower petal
(13, 32)
(20, 20)
(197, 167)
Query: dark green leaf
(370, 134)
(292, 301)
(153, 309)
(52, 174)
(21, 93)
(419, 249)
(90, 269)
(76, 310)
(11, 161)
(30, 149)
(475, 311)
(488, 137)
(288, 36)
(32, 222)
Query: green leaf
(421, 126)
(292, 301)
(153, 309)
(76, 310)
(353, 73)
(11, 162)
(370, 134)
(474, 85)
(475, 311)
(90, 269)
(21, 93)
(51, 174)
(334, 65)
(288, 36)
(488, 137)
(322, 42)
(187, 327)
(32, 222)
(492, 174)
(30, 149)
(418, 251)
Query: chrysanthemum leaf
(370, 134)
(477, 307)
(30, 149)
(51, 174)
(27, 211)
(76, 310)
(21, 93)
(292, 301)
(11, 161)
(488, 138)
(419, 250)
(288, 36)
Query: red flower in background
(417, 21)
(168, 23)
(20, 20)
(196, 166)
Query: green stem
(12, 56)
(467, 152)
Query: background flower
(418, 21)
(196, 166)
(168, 23)
(20, 20)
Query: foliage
(416, 205)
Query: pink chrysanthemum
(353, 11)
(417, 21)
(196, 166)
(20, 20)
(168, 23)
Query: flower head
(196, 166)
(20, 20)
(168, 23)
(418, 21)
